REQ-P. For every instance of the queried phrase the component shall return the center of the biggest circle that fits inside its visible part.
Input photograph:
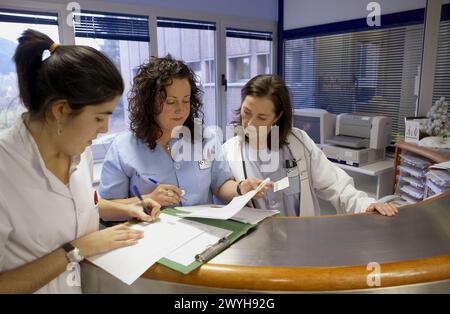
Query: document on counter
(253, 215)
(185, 255)
(160, 238)
(228, 211)
(247, 215)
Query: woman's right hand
(166, 194)
(252, 183)
(107, 239)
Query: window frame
(389, 21)
(67, 35)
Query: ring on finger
(169, 193)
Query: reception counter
(345, 253)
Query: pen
(182, 191)
(139, 196)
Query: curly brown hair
(148, 93)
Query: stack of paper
(160, 238)
(246, 215)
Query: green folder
(239, 229)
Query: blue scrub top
(129, 161)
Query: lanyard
(245, 170)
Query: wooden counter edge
(310, 278)
(307, 278)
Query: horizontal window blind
(442, 74)
(111, 26)
(28, 17)
(373, 71)
(181, 23)
(238, 33)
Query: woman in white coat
(49, 218)
(268, 146)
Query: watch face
(75, 256)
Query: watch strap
(238, 188)
(68, 247)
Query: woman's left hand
(252, 183)
(135, 210)
(383, 209)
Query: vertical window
(210, 71)
(12, 25)
(371, 71)
(249, 53)
(239, 69)
(125, 40)
(442, 74)
(193, 42)
(196, 66)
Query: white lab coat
(39, 213)
(318, 176)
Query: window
(263, 65)
(125, 40)
(196, 66)
(194, 43)
(239, 69)
(442, 74)
(249, 53)
(12, 24)
(371, 71)
(210, 71)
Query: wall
(259, 9)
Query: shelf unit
(411, 165)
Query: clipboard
(238, 229)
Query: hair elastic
(53, 47)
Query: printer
(360, 139)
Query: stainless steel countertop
(420, 231)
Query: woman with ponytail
(49, 219)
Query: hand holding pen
(166, 194)
(146, 209)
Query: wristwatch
(238, 188)
(73, 253)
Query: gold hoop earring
(59, 130)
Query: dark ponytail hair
(79, 74)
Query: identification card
(204, 164)
(281, 184)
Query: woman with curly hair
(164, 98)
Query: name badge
(204, 164)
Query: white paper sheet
(160, 238)
(228, 211)
(185, 254)
(253, 215)
(443, 165)
(195, 208)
